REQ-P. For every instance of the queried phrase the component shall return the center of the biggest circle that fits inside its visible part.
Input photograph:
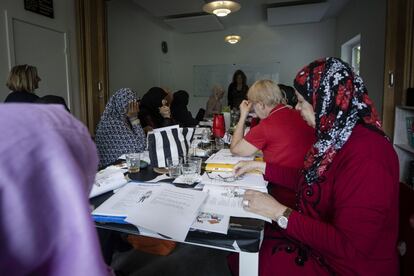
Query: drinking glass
(133, 161)
(189, 169)
(174, 166)
(198, 161)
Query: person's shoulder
(368, 144)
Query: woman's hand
(245, 108)
(245, 166)
(165, 111)
(133, 109)
(262, 204)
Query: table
(244, 236)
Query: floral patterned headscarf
(340, 101)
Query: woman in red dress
(346, 217)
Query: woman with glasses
(23, 81)
(345, 221)
(282, 135)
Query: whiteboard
(205, 77)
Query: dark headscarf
(340, 101)
(52, 99)
(150, 104)
(290, 95)
(179, 110)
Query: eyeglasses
(231, 178)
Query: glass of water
(198, 161)
(189, 169)
(174, 166)
(133, 161)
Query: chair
(406, 230)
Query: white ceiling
(187, 16)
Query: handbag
(168, 142)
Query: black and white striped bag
(168, 142)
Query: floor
(184, 260)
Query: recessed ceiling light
(232, 39)
(221, 8)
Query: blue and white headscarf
(115, 135)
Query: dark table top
(245, 231)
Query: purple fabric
(48, 163)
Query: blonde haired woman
(214, 104)
(282, 135)
(23, 81)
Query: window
(356, 57)
(351, 52)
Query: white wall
(134, 48)
(293, 46)
(368, 19)
(64, 22)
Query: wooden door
(399, 58)
(92, 41)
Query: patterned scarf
(114, 134)
(340, 101)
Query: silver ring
(245, 203)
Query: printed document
(249, 180)
(228, 201)
(211, 222)
(167, 210)
(124, 200)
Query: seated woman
(214, 104)
(282, 135)
(154, 109)
(46, 173)
(179, 110)
(119, 130)
(346, 219)
(23, 81)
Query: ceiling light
(221, 8)
(232, 39)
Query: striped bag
(168, 142)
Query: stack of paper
(225, 193)
(224, 156)
(163, 208)
(107, 180)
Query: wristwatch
(282, 220)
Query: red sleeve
(284, 176)
(257, 136)
(364, 213)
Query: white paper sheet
(224, 156)
(211, 222)
(124, 200)
(107, 180)
(251, 180)
(169, 211)
(227, 201)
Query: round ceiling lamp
(221, 8)
(232, 39)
